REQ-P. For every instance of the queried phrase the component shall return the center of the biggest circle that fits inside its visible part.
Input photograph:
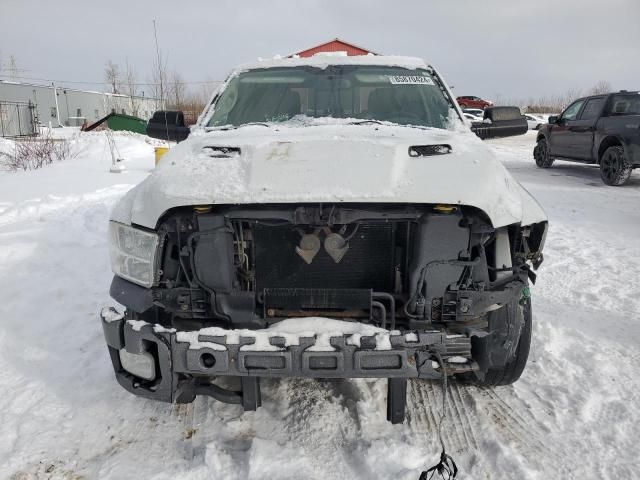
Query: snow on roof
(323, 61)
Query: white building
(58, 105)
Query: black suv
(601, 129)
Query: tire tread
(513, 369)
(624, 173)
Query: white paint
(330, 160)
(330, 163)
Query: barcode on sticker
(411, 80)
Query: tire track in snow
(464, 403)
(470, 411)
(424, 410)
(514, 422)
(420, 410)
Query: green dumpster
(118, 121)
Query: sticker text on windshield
(410, 80)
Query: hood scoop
(221, 152)
(429, 150)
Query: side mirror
(503, 122)
(168, 125)
(552, 119)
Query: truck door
(561, 136)
(582, 130)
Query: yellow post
(160, 151)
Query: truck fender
(606, 142)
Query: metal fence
(17, 119)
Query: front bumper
(182, 366)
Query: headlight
(133, 253)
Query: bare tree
(159, 80)
(603, 86)
(112, 76)
(176, 90)
(131, 86)
(14, 71)
(557, 103)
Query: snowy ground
(574, 414)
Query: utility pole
(55, 97)
(66, 101)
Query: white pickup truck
(326, 217)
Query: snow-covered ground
(574, 414)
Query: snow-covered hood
(329, 163)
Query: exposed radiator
(368, 264)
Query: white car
(534, 122)
(326, 217)
(476, 112)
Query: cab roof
(323, 60)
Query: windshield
(366, 93)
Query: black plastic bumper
(180, 367)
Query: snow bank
(6, 145)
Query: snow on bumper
(182, 356)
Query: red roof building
(335, 45)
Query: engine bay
(394, 266)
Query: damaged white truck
(328, 217)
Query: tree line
(168, 86)
(555, 103)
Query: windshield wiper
(366, 122)
(234, 127)
(389, 123)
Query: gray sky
(492, 48)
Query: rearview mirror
(501, 122)
(552, 119)
(168, 125)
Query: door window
(592, 109)
(572, 111)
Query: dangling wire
(446, 468)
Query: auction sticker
(411, 80)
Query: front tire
(615, 169)
(511, 370)
(542, 154)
